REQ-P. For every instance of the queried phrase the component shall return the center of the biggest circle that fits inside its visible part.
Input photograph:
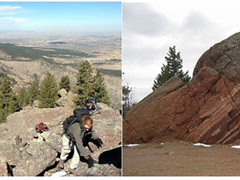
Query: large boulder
(23, 152)
(41, 156)
(23, 123)
(3, 165)
(66, 98)
(205, 110)
(19, 122)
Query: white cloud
(197, 22)
(148, 22)
(9, 10)
(11, 20)
(149, 29)
(9, 17)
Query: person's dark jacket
(82, 137)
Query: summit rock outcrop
(206, 110)
(24, 152)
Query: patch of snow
(236, 147)
(59, 173)
(201, 144)
(132, 145)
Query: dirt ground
(180, 159)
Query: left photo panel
(60, 89)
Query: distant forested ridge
(58, 42)
(36, 53)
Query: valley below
(26, 53)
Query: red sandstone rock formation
(206, 110)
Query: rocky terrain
(23, 152)
(206, 110)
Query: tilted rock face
(206, 110)
(24, 153)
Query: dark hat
(88, 101)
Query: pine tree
(173, 68)
(33, 90)
(8, 100)
(84, 84)
(48, 91)
(100, 89)
(65, 83)
(3, 116)
(22, 97)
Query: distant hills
(58, 42)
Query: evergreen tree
(23, 99)
(5, 76)
(172, 68)
(84, 84)
(48, 91)
(100, 89)
(65, 83)
(8, 100)
(33, 90)
(3, 116)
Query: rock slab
(206, 110)
(23, 152)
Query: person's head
(88, 103)
(87, 122)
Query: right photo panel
(181, 88)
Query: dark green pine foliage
(172, 68)
(100, 89)
(33, 90)
(27, 96)
(23, 98)
(65, 83)
(8, 100)
(48, 91)
(84, 84)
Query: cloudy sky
(149, 29)
(61, 16)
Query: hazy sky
(61, 16)
(149, 29)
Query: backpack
(94, 100)
(77, 116)
(69, 121)
(81, 112)
(41, 127)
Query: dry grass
(180, 159)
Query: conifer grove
(88, 84)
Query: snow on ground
(196, 144)
(201, 144)
(236, 147)
(132, 145)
